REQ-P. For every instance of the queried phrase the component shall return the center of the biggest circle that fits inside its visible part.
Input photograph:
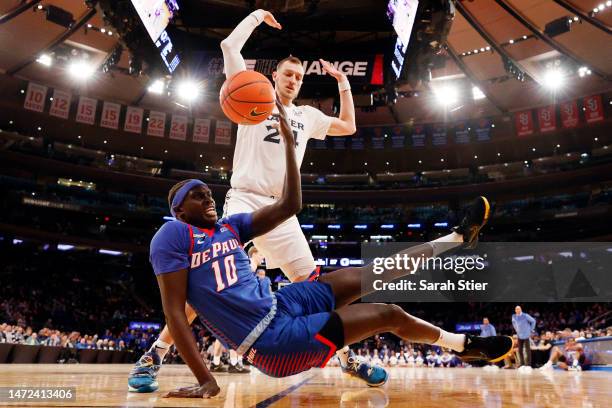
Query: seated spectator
(447, 359)
(569, 357)
(32, 340)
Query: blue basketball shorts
(292, 343)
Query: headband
(182, 192)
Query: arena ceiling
(328, 26)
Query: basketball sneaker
(476, 216)
(143, 377)
(238, 368)
(491, 349)
(373, 375)
(217, 368)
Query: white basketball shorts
(281, 246)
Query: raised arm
(344, 124)
(290, 203)
(232, 45)
(173, 288)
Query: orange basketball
(247, 98)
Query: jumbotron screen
(402, 14)
(155, 15)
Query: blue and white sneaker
(373, 375)
(143, 377)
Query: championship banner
(547, 119)
(357, 141)
(569, 114)
(419, 133)
(110, 115)
(483, 130)
(523, 121)
(35, 97)
(86, 111)
(398, 138)
(133, 119)
(378, 140)
(439, 135)
(593, 109)
(201, 130)
(157, 124)
(339, 143)
(60, 107)
(223, 132)
(178, 127)
(462, 134)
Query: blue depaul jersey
(229, 298)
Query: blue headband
(182, 192)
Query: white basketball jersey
(259, 157)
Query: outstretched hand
(206, 390)
(334, 72)
(270, 20)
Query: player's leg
(143, 377)
(236, 366)
(215, 365)
(347, 283)
(363, 320)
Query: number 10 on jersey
(230, 272)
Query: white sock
(216, 360)
(233, 357)
(343, 355)
(161, 348)
(446, 243)
(450, 340)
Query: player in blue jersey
(198, 259)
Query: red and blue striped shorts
(292, 343)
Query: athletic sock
(233, 357)
(446, 243)
(161, 348)
(216, 360)
(451, 340)
(343, 355)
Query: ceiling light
(553, 79)
(446, 95)
(81, 69)
(45, 59)
(157, 86)
(188, 91)
(477, 93)
(511, 41)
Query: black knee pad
(334, 330)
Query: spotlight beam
(57, 41)
(544, 37)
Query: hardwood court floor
(106, 385)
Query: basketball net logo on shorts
(218, 248)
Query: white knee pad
(299, 269)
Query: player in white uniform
(258, 179)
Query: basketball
(247, 98)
